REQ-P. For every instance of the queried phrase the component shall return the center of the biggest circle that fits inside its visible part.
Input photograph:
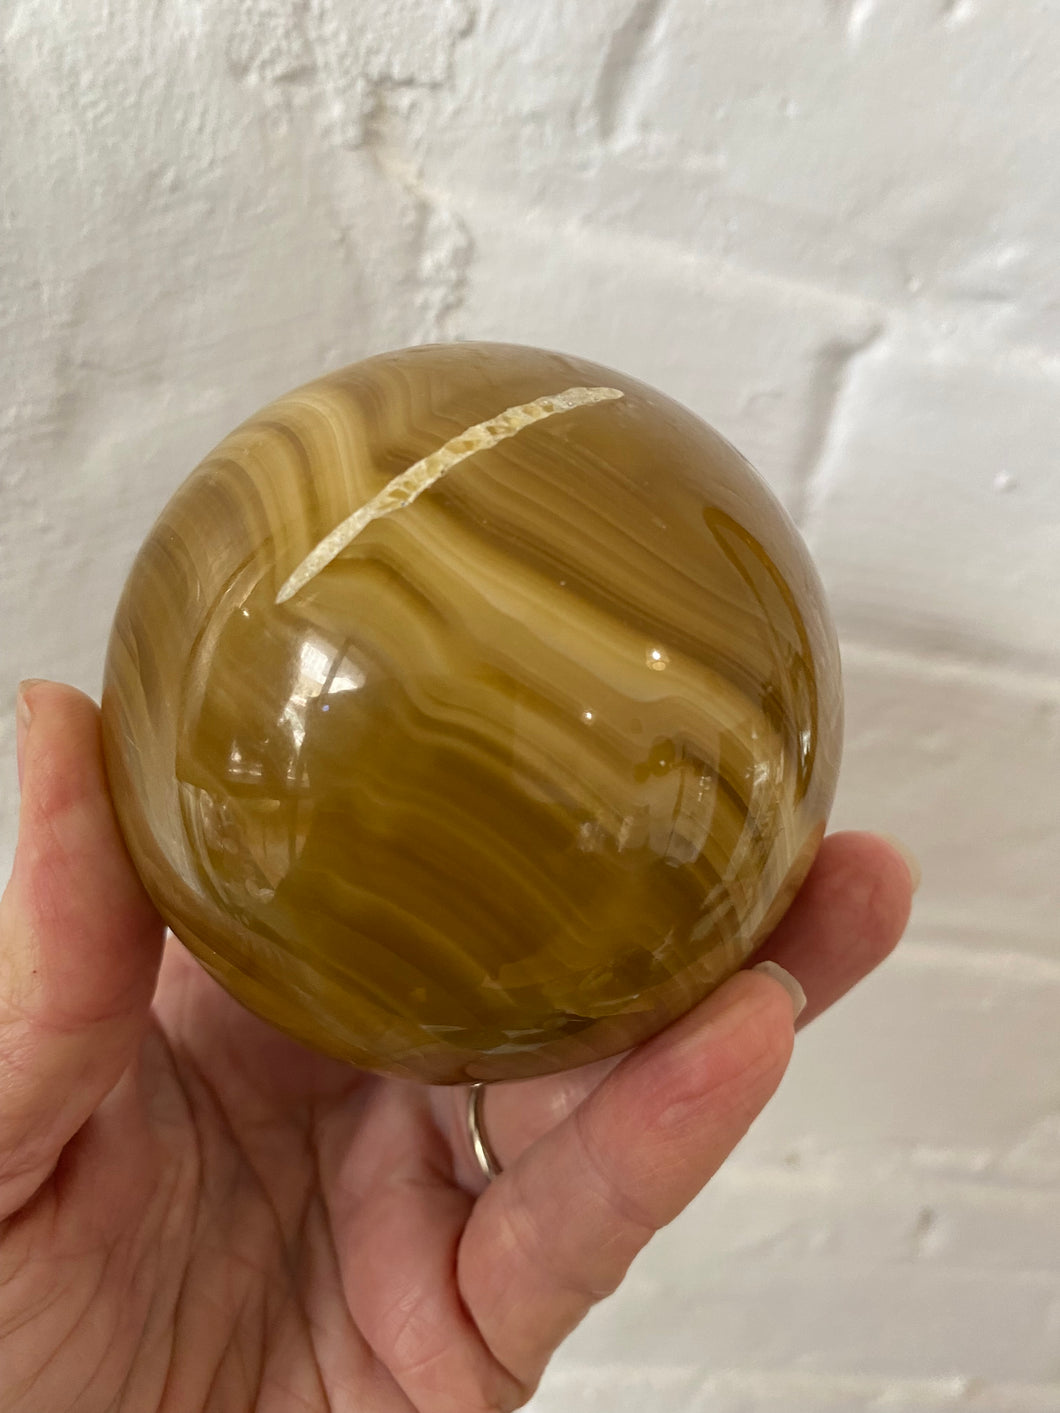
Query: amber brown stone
(472, 712)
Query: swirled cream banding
(404, 489)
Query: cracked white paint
(325, 53)
(411, 484)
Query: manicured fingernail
(23, 717)
(912, 863)
(790, 985)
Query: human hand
(198, 1214)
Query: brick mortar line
(904, 324)
(838, 1175)
(958, 669)
(945, 1391)
(1005, 964)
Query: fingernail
(912, 863)
(790, 985)
(23, 717)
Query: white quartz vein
(405, 488)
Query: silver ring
(484, 1154)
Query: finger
(79, 943)
(846, 918)
(558, 1230)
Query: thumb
(80, 943)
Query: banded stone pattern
(511, 771)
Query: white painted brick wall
(831, 227)
(935, 468)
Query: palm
(236, 1223)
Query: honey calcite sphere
(472, 712)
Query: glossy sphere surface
(472, 712)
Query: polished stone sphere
(473, 711)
